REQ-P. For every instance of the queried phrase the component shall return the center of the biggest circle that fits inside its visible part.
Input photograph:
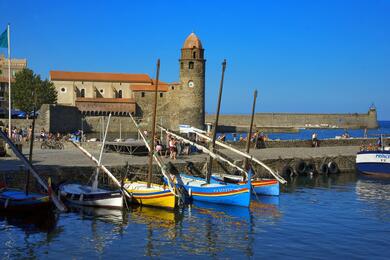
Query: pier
(69, 163)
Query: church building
(183, 102)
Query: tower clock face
(191, 84)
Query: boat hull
(265, 187)
(84, 196)
(374, 163)
(230, 194)
(12, 200)
(156, 196)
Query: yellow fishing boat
(156, 196)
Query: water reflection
(21, 234)
(106, 225)
(376, 192)
(319, 181)
(202, 228)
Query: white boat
(93, 196)
(87, 196)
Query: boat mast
(248, 141)
(151, 151)
(95, 182)
(31, 139)
(212, 147)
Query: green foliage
(26, 85)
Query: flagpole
(9, 83)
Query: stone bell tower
(192, 79)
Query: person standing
(314, 140)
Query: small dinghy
(14, 200)
(87, 196)
(92, 196)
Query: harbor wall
(59, 174)
(261, 120)
(65, 119)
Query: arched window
(194, 54)
(191, 65)
(120, 94)
(82, 92)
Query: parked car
(32, 115)
(16, 113)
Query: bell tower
(192, 79)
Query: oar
(30, 167)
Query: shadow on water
(31, 223)
(23, 233)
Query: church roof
(192, 41)
(98, 76)
(162, 86)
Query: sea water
(344, 216)
(305, 134)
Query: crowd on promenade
(23, 135)
(172, 147)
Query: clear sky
(314, 56)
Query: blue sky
(302, 56)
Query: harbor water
(305, 134)
(344, 216)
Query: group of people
(173, 147)
(19, 134)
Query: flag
(4, 39)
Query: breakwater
(70, 165)
(234, 123)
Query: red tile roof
(161, 88)
(98, 76)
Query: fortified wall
(287, 120)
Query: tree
(26, 85)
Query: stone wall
(355, 120)
(307, 143)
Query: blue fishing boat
(13, 200)
(374, 162)
(267, 187)
(221, 193)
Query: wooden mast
(248, 141)
(212, 147)
(151, 151)
(34, 173)
(31, 139)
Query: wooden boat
(14, 200)
(18, 200)
(148, 193)
(221, 193)
(93, 196)
(268, 187)
(87, 196)
(156, 195)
